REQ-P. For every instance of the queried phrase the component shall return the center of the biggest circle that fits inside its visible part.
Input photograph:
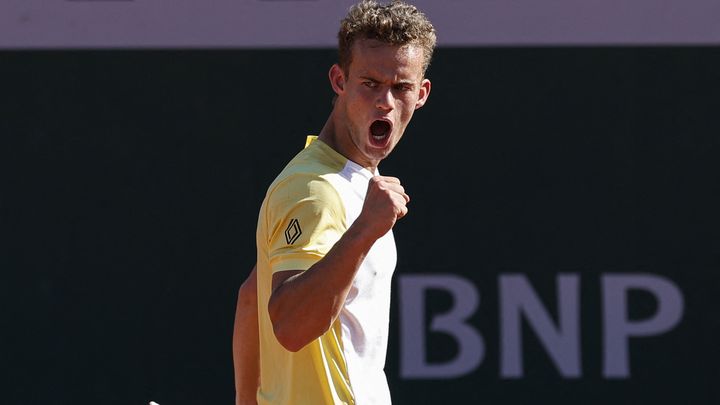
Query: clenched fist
(385, 203)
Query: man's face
(377, 97)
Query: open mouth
(380, 132)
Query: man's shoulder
(296, 184)
(311, 165)
(318, 158)
(303, 188)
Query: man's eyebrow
(399, 82)
(409, 83)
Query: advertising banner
(561, 245)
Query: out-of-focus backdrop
(563, 241)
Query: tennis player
(325, 247)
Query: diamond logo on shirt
(293, 231)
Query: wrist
(362, 236)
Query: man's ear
(425, 87)
(337, 79)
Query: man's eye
(371, 85)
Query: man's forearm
(304, 306)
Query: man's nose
(385, 100)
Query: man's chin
(377, 154)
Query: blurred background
(563, 242)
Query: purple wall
(313, 23)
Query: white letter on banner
(618, 328)
(471, 347)
(562, 343)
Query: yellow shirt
(306, 210)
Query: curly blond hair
(396, 23)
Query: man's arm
(304, 304)
(246, 358)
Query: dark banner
(561, 246)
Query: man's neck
(339, 141)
